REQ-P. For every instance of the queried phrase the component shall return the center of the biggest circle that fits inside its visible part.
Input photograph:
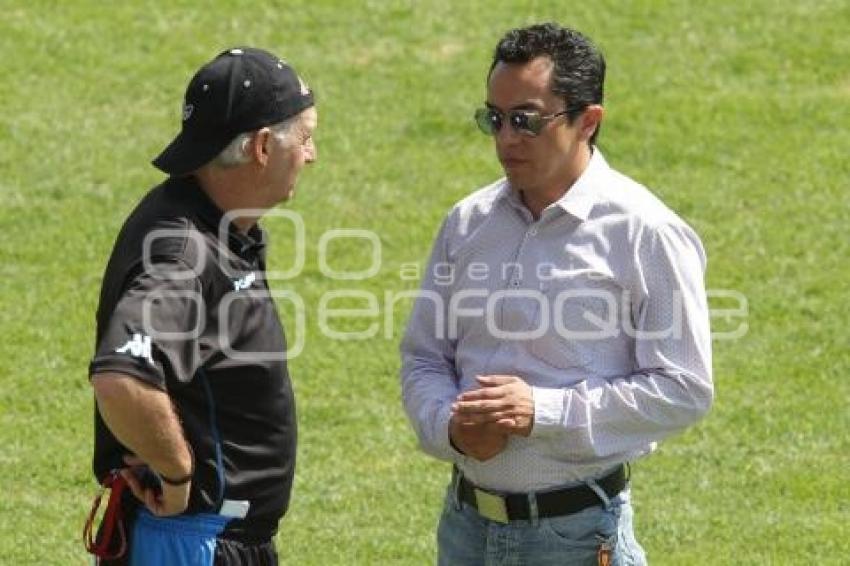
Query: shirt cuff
(447, 450)
(548, 410)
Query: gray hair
(236, 151)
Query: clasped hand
(483, 419)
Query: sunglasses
(528, 122)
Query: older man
(563, 330)
(195, 409)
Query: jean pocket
(587, 529)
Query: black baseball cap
(241, 90)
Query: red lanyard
(113, 518)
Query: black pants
(233, 553)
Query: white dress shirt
(599, 305)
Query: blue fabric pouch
(184, 540)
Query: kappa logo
(138, 346)
(244, 282)
(187, 111)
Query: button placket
(516, 279)
(515, 275)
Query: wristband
(183, 480)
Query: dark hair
(579, 72)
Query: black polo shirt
(186, 309)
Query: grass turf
(735, 113)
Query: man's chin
(288, 195)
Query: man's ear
(590, 120)
(258, 147)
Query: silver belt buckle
(491, 506)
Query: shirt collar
(251, 244)
(507, 194)
(579, 198)
(582, 195)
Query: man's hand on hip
(161, 500)
(504, 400)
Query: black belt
(515, 506)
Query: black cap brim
(241, 90)
(185, 155)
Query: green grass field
(735, 113)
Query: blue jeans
(465, 538)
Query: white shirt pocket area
(590, 322)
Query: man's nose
(311, 154)
(507, 135)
